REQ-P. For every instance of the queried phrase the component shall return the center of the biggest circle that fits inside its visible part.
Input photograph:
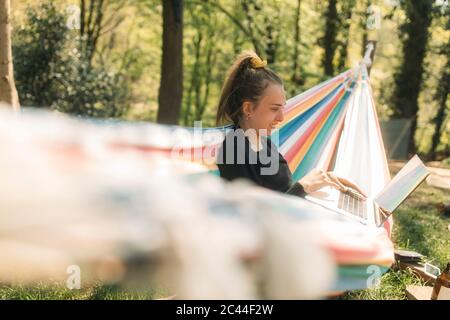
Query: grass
(58, 291)
(418, 225)
(392, 287)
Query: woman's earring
(248, 116)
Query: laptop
(374, 211)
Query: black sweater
(259, 167)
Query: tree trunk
(346, 17)
(442, 90)
(364, 27)
(8, 92)
(251, 26)
(408, 80)
(271, 43)
(171, 87)
(94, 24)
(297, 73)
(329, 42)
(195, 75)
(210, 62)
(441, 97)
(247, 30)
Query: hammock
(332, 126)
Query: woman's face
(269, 111)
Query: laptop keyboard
(352, 205)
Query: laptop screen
(404, 182)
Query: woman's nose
(280, 116)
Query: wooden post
(8, 92)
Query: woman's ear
(247, 108)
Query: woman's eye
(275, 109)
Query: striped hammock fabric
(332, 126)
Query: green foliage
(408, 79)
(133, 52)
(37, 48)
(51, 71)
(446, 161)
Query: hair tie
(257, 63)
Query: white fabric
(361, 157)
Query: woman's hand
(317, 179)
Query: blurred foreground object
(105, 199)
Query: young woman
(253, 99)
